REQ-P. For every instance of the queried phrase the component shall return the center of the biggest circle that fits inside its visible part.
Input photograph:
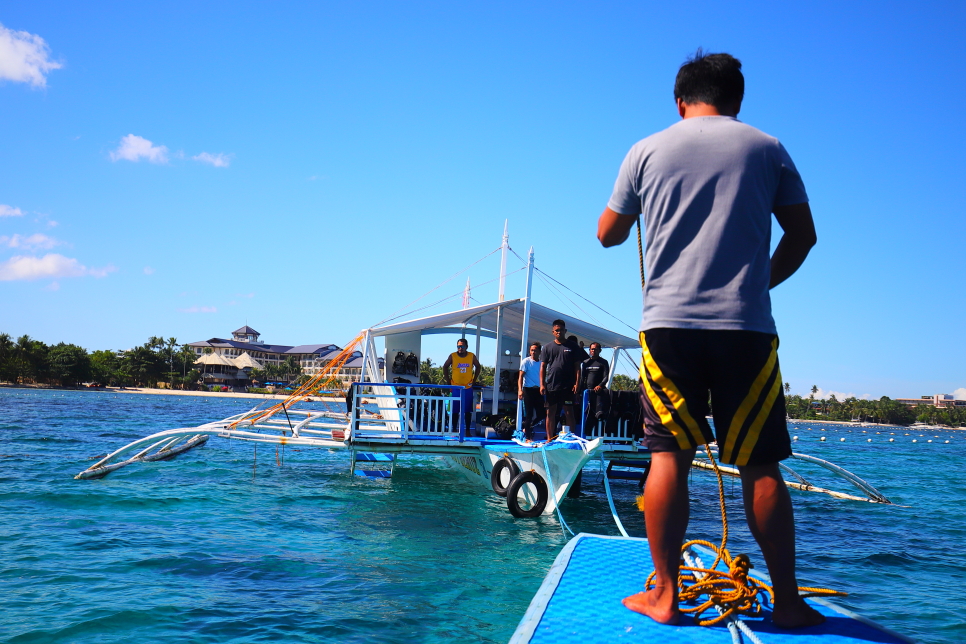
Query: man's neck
(692, 110)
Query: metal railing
(408, 411)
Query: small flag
(466, 294)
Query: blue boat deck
(580, 603)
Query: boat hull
(556, 463)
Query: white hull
(565, 461)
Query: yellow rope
(325, 379)
(735, 591)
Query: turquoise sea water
(195, 550)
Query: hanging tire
(505, 463)
(512, 492)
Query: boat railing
(407, 411)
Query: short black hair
(558, 323)
(463, 340)
(715, 79)
(536, 344)
(599, 346)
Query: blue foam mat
(580, 603)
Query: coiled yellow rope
(734, 592)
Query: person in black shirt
(559, 368)
(594, 374)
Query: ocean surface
(225, 545)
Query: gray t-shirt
(706, 187)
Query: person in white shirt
(528, 390)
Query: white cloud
(53, 286)
(148, 270)
(823, 394)
(24, 57)
(10, 211)
(101, 272)
(960, 394)
(49, 266)
(200, 309)
(220, 160)
(134, 148)
(33, 242)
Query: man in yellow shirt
(461, 367)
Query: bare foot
(798, 615)
(659, 606)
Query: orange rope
(327, 377)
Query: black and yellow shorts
(738, 370)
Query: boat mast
(524, 349)
(505, 248)
(495, 409)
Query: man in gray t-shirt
(706, 188)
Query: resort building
(230, 362)
(936, 400)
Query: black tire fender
(505, 463)
(543, 493)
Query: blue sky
(309, 168)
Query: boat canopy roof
(541, 320)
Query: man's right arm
(446, 368)
(613, 228)
(797, 240)
(543, 382)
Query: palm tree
(21, 353)
(829, 405)
(169, 352)
(6, 355)
(291, 368)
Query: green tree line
(28, 361)
(884, 410)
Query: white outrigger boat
(386, 418)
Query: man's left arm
(605, 376)
(477, 368)
(614, 228)
(797, 240)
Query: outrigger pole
(524, 349)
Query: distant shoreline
(802, 421)
(170, 392)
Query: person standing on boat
(461, 369)
(559, 364)
(528, 390)
(594, 374)
(706, 188)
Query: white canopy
(541, 320)
(245, 361)
(215, 358)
